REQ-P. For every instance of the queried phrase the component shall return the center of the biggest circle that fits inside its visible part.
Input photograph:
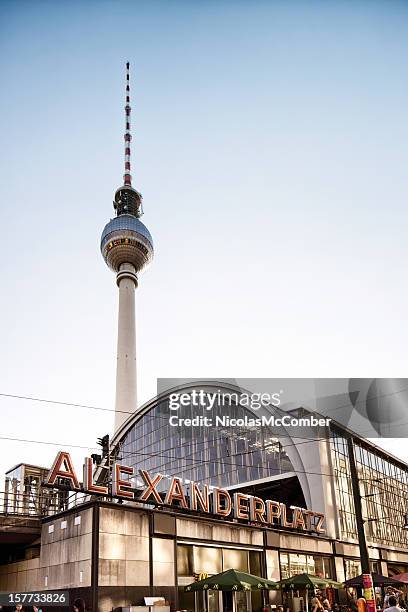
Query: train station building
(290, 510)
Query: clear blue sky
(270, 144)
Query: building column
(126, 383)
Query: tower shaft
(126, 381)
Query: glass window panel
(311, 565)
(297, 564)
(284, 563)
(185, 562)
(255, 563)
(352, 568)
(154, 445)
(235, 559)
(207, 560)
(322, 566)
(384, 487)
(328, 567)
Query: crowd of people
(79, 606)
(392, 600)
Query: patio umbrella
(378, 581)
(308, 581)
(401, 577)
(232, 580)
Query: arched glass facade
(217, 456)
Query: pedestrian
(391, 592)
(79, 605)
(352, 605)
(393, 604)
(37, 609)
(326, 605)
(316, 605)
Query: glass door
(242, 601)
(227, 602)
(213, 599)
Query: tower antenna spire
(128, 201)
(127, 178)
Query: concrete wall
(396, 556)
(123, 547)
(213, 532)
(66, 552)
(299, 543)
(64, 561)
(20, 576)
(124, 573)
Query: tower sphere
(126, 240)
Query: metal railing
(38, 503)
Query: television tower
(127, 248)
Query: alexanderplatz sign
(217, 502)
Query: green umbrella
(231, 580)
(307, 581)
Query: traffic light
(104, 442)
(96, 459)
